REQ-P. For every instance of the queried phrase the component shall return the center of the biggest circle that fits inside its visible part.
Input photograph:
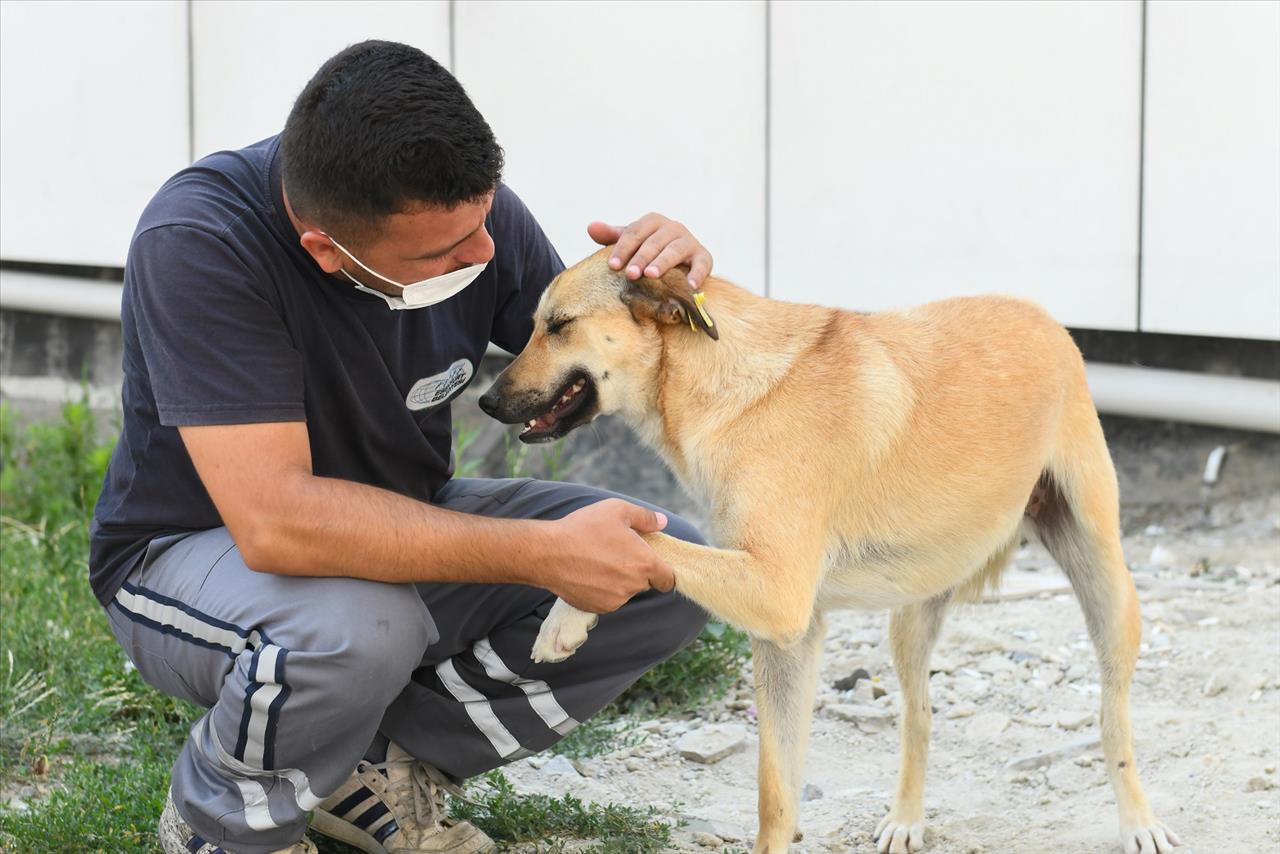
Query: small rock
(587, 767)
(972, 687)
(559, 765)
(1074, 720)
(864, 692)
(1162, 556)
(695, 825)
(962, 710)
(1259, 784)
(942, 664)
(871, 719)
(18, 805)
(633, 764)
(538, 761)
(994, 664)
(987, 726)
(810, 793)
(850, 682)
(1048, 757)
(1215, 684)
(707, 840)
(712, 743)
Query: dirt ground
(1018, 678)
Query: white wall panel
(94, 119)
(250, 60)
(1211, 227)
(610, 110)
(925, 150)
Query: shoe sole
(343, 831)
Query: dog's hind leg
(786, 680)
(1078, 521)
(913, 630)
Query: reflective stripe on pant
(301, 674)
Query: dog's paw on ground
(1150, 837)
(894, 836)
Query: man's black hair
(380, 129)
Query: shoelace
(427, 785)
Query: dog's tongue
(548, 420)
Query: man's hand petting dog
(651, 246)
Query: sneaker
(177, 837)
(397, 807)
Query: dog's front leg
(786, 680)
(768, 594)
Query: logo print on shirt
(433, 391)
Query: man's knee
(374, 638)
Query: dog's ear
(669, 301)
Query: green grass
(508, 817)
(79, 726)
(76, 721)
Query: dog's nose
(489, 403)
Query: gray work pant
(303, 677)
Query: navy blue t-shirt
(227, 320)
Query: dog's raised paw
(1149, 838)
(563, 631)
(893, 836)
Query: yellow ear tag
(698, 299)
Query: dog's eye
(558, 323)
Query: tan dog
(850, 461)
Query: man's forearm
(323, 526)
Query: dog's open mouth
(574, 406)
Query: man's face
(420, 244)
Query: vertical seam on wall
(768, 155)
(1142, 156)
(191, 85)
(453, 53)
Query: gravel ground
(1018, 678)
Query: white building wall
(922, 150)
(94, 116)
(251, 59)
(1211, 201)
(860, 154)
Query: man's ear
(322, 250)
(668, 301)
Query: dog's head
(595, 348)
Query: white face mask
(419, 294)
